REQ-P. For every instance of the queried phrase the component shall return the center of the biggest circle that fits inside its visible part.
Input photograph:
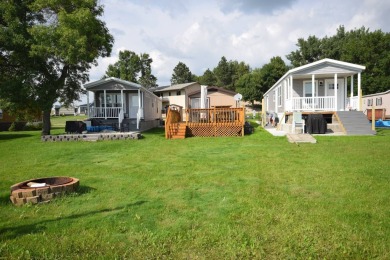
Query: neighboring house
(61, 110)
(83, 108)
(187, 95)
(122, 102)
(317, 88)
(381, 101)
(216, 97)
(176, 94)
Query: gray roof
(174, 87)
(112, 79)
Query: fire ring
(42, 190)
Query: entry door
(330, 89)
(133, 105)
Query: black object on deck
(316, 124)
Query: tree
(133, 67)
(126, 68)
(147, 79)
(253, 85)
(181, 74)
(208, 78)
(223, 73)
(248, 86)
(46, 50)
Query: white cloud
(200, 32)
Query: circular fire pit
(42, 189)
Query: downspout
(335, 91)
(139, 108)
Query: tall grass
(210, 198)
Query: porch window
(307, 89)
(112, 99)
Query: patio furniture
(298, 122)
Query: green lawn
(200, 198)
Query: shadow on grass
(17, 231)
(9, 137)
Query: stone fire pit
(42, 190)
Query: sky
(199, 32)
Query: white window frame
(315, 87)
(279, 92)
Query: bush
(33, 126)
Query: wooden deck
(205, 122)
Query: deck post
(312, 91)
(105, 104)
(88, 104)
(351, 87)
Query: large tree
(46, 50)
(133, 67)
(181, 74)
(359, 46)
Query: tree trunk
(46, 125)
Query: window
(369, 102)
(331, 85)
(280, 96)
(308, 90)
(169, 93)
(112, 100)
(195, 103)
(378, 101)
(178, 93)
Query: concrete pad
(301, 138)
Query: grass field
(200, 198)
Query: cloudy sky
(200, 32)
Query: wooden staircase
(178, 130)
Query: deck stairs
(355, 123)
(178, 130)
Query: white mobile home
(121, 102)
(317, 88)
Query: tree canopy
(181, 74)
(253, 85)
(359, 46)
(46, 50)
(133, 67)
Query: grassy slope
(257, 196)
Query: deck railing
(215, 116)
(105, 112)
(353, 103)
(310, 103)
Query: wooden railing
(215, 116)
(105, 112)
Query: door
(133, 105)
(330, 90)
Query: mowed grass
(200, 198)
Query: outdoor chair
(298, 122)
